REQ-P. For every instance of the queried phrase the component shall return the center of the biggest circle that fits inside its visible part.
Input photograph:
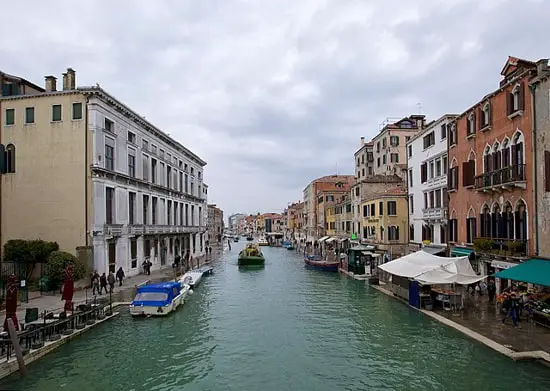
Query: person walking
(102, 283)
(111, 280)
(491, 291)
(95, 282)
(120, 275)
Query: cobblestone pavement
(485, 318)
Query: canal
(280, 328)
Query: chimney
(542, 65)
(65, 82)
(51, 83)
(362, 141)
(71, 78)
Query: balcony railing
(502, 246)
(502, 178)
(439, 213)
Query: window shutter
(521, 97)
(468, 173)
(479, 113)
(490, 111)
(474, 124)
(486, 162)
(514, 155)
(423, 172)
(3, 158)
(509, 103)
(546, 170)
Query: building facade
(427, 184)
(491, 174)
(109, 181)
(540, 90)
(234, 222)
(364, 160)
(385, 222)
(215, 225)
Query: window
(438, 167)
(393, 232)
(432, 196)
(10, 116)
(381, 208)
(154, 210)
(411, 204)
(131, 164)
(109, 154)
(486, 115)
(394, 141)
(77, 111)
(468, 173)
(445, 197)
(438, 198)
(445, 165)
(410, 150)
(378, 147)
(426, 206)
(423, 172)
(384, 159)
(431, 169)
(131, 207)
(444, 131)
(9, 159)
(365, 211)
(133, 252)
(145, 145)
(452, 134)
(29, 115)
(181, 182)
(145, 164)
(394, 158)
(384, 144)
(378, 162)
(515, 103)
(145, 209)
(453, 178)
(131, 137)
(471, 124)
(411, 233)
(186, 183)
(109, 125)
(392, 208)
(153, 149)
(411, 178)
(169, 177)
(370, 157)
(109, 205)
(429, 140)
(471, 229)
(453, 230)
(154, 170)
(56, 113)
(169, 213)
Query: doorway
(112, 256)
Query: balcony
(502, 246)
(503, 179)
(434, 214)
(113, 229)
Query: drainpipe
(1, 198)
(86, 171)
(533, 88)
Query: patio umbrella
(11, 303)
(68, 289)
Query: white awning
(431, 269)
(343, 240)
(503, 265)
(323, 239)
(330, 240)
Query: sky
(274, 93)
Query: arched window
(521, 220)
(505, 152)
(495, 155)
(516, 98)
(471, 226)
(485, 218)
(508, 221)
(10, 158)
(487, 161)
(496, 221)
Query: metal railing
(502, 176)
(502, 246)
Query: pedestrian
(102, 283)
(111, 280)
(491, 290)
(120, 275)
(95, 282)
(511, 304)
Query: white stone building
(149, 199)
(427, 165)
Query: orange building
(490, 180)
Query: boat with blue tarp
(288, 245)
(158, 299)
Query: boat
(236, 239)
(288, 245)
(250, 238)
(315, 262)
(262, 241)
(158, 299)
(251, 255)
(194, 277)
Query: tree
(27, 253)
(58, 262)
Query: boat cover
(171, 289)
(431, 269)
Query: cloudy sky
(273, 93)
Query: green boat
(251, 255)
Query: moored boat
(262, 241)
(251, 255)
(250, 238)
(158, 299)
(288, 245)
(317, 263)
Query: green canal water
(280, 328)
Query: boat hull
(322, 265)
(145, 310)
(251, 261)
(290, 247)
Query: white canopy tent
(431, 269)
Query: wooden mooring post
(17, 348)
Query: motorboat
(158, 299)
(262, 241)
(251, 255)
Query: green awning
(534, 271)
(461, 252)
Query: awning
(461, 252)
(433, 250)
(362, 247)
(534, 271)
(323, 239)
(343, 240)
(330, 240)
(503, 265)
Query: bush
(58, 262)
(28, 253)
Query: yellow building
(260, 224)
(330, 222)
(385, 221)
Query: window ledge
(451, 190)
(29, 124)
(470, 136)
(56, 122)
(9, 125)
(515, 114)
(486, 128)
